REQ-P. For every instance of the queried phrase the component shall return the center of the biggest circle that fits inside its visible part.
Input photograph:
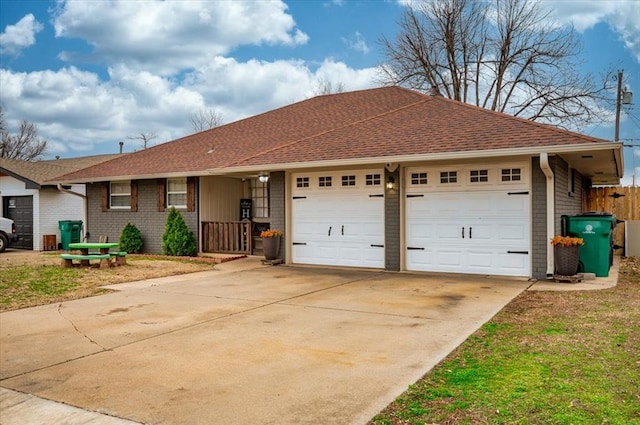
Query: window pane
(348, 180)
(120, 201)
(120, 187)
(177, 199)
(177, 185)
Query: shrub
(177, 238)
(131, 239)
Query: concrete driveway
(243, 344)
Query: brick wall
(277, 206)
(392, 224)
(148, 219)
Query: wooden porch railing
(227, 236)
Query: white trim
(494, 153)
(551, 211)
(616, 147)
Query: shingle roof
(40, 172)
(382, 122)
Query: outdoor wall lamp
(391, 183)
(263, 178)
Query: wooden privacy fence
(232, 237)
(623, 202)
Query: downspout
(551, 210)
(84, 202)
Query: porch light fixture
(263, 178)
(391, 183)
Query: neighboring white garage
(338, 218)
(469, 219)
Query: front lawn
(546, 358)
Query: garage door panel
(492, 223)
(511, 205)
(338, 223)
(513, 233)
(511, 264)
(447, 231)
(449, 258)
(480, 260)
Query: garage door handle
(299, 197)
(376, 196)
(470, 235)
(376, 246)
(517, 252)
(415, 248)
(329, 234)
(416, 196)
(343, 230)
(299, 243)
(517, 193)
(463, 233)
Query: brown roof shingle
(42, 171)
(374, 123)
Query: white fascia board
(493, 153)
(131, 177)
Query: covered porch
(233, 212)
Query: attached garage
(469, 219)
(338, 218)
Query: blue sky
(91, 74)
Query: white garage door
(338, 218)
(468, 225)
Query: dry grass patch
(29, 279)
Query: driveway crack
(78, 330)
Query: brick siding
(148, 219)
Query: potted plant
(566, 254)
(271, 243)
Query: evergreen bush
(131, 239)
(177, 238)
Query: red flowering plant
(566, 241)
(271, 233)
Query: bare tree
(327, 87)
(205, 119)
(145, 137)
(503, 55)
(24, 145)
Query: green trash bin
(596, 228)
(69, 232)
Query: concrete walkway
(242, 344)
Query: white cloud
(21, 35)
(358, 43)
(621, 15)
(168, 37)
(85, 114)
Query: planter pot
(271, 248)
(566, 259)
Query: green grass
(547, 358)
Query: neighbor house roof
(374, 125)
(36, 174)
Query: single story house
(35, 205)
(385, 178)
